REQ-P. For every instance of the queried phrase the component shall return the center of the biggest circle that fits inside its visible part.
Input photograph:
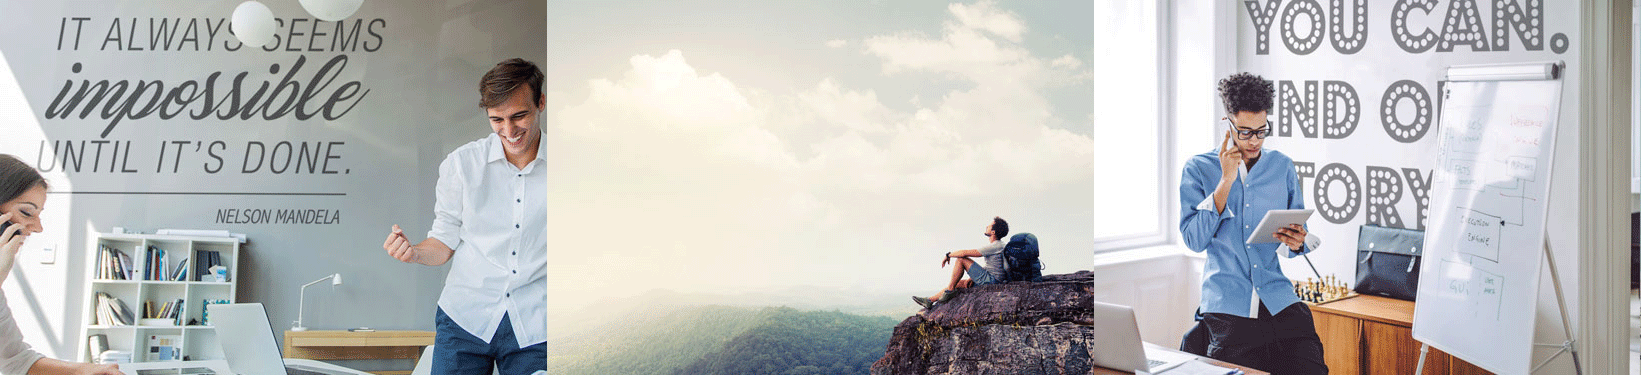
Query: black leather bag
(1387, 261)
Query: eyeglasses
(1246, 134)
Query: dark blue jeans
(457, 352)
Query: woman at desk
(1248, 306)
(22, 197)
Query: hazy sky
(741, 146)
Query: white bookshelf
(198, 341)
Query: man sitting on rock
(982, 275)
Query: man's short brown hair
(508, 76)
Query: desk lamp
(335, 279)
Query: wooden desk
(333, 345)
(1215, 362)
(1374, 335)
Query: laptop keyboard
(297, 371)
(1149, 363)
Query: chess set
(1317, 292)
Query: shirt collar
(492, 142)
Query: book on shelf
(112, 311)
(169, 310)
(113, 264)
(177, 273)
(126, 268)
(156, 264)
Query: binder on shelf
(97, 344)
(204, 260)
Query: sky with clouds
(742, 146)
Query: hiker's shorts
(979, 275)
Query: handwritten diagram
(1488, 164)
(1483, 289)
(1485, 239)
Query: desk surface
(1372, 308)
(220, 367)
(334, 345)
(1150, 346)
(345, 338)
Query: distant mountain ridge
(726, 340)
(662, 301)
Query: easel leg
(1423, 349)
(1561, 302)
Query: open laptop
(1117, 343)
(248, 343)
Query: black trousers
(1282, 344)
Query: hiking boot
(925, 302)
(947, 296)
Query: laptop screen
(247, 339)
(1117, 343)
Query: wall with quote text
(151, 114)
(1357, 98)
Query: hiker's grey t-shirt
(993, 252)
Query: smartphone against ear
(1224, 138)
(3, 226)
(1242, 166)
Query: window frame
(1160, 233)
(1212, 26)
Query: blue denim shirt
(1236, 271)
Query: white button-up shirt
(494, 215)
(16, 357)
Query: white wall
(1371, 67)
(1136, 278)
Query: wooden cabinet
(1341, 341)
(334, 345)
(1374, 335)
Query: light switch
(48, 254)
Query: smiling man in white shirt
(490, 214)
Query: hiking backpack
(1020, 259)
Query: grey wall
(421, 105)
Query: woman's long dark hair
(17, 178)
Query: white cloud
(984, 15)
(837, 43)
(1067, 61)
(697, 178)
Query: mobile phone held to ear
(3, 226)
(1242, 166)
